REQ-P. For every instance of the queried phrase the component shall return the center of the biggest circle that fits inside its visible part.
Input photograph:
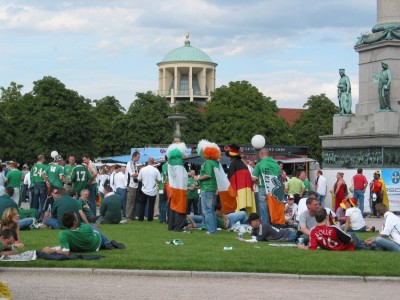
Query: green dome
(187, 53)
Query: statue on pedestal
(344, 93)
(384, 81)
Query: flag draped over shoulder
(178, 178)
(385, 198)
(272, 176)
(226, 193)
(242, 184)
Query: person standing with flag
(178, 178)
(271, 195)
(240, 179)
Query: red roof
(290, 114)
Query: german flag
(241, 182)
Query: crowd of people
(249, 194)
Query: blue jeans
(256, 196)
(198, 220)
(122, 193)
(163, 207)
(381, 243)
(359, 196)
(236, 216)
(52, 223)
(207, 204)
(92, 197)
(321, 200)
(292, 237)
(358, 244)
(104, 239)
(39, 197)
(262, 204)
(25, 223)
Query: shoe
(117, 245)
(108, 246)
(373, 229)
(124, 221)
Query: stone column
(388, 11)
(191, 83)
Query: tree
(239, 111)
(192, 127)
(10, 99)
(51, 117)
(106, 112)
(146, 122)
(314, 122)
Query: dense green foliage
(314, 122)
(53, 117)
(239, 111)
(146, 249)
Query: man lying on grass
(84, 238)
(331, 237)
(266, 232)
(7, 238)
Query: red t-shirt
(330, 238)
(376, 186)
(359, 182)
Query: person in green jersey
(192, 194)
(62, 203)
(7, 238)
(81, 238)
(39, 186)
(54, 173)
(111, 207)
(68, 172)
(83, 204)
(14, 180)
(264, 171)
(79, 177)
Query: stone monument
(371, 137)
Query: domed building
(186, 74)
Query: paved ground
(83, 284)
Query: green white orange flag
(226, 193)
(178, 177)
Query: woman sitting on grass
(10, 220)
(354, 217)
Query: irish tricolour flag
(226, 193)
(178, 177)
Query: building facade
(186, 74)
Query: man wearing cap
(290, 210)
(321, 187)
(360, 183)
(391, 229)
(354, 218)
(265, 232)
(54, 174)
(376, 189)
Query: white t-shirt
(131, 167)
(120, 181)
(356, 218)
(301, 207)
(149, 176)
(321, 186)
(290, 212)
(391, 227)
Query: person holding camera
(131, 174)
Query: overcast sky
(288, 49)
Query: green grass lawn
(146, 249)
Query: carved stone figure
(385, 80)
(344, 93)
